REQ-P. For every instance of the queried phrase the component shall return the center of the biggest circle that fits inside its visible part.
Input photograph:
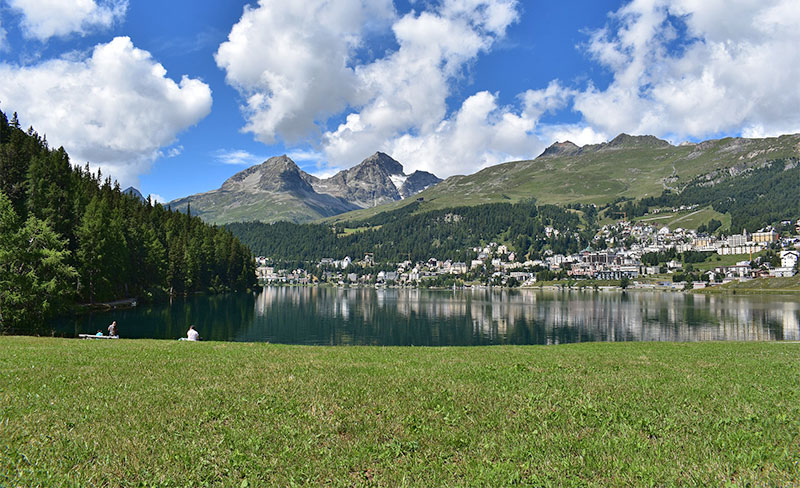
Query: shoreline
(717, 289)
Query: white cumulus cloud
(298, 66)
(43, 19)
(291, 61)
(684, 68)
(483, 134)
(115, 109)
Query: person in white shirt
(112, 329)
(192, 335)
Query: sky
(175, 96)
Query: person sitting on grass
(112, 329)
(192, 335)
(99, 333)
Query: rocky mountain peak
(622, 141)
(383, 162)
(566, 148)
(278, 173)
(377, 179)
(416, 182)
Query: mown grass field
(162, 413)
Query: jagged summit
(416, 182)
(279, 173)
(377, 179)
(566, 148)
(382, 161)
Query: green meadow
(761, 286)
(163, 413)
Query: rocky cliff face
(376, 180)
(278, 188)
(418, 181)
(367, 184)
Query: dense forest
(69, 236)
(754, 199)
(402, 234)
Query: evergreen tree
(35, 280)
(48, 184)
(119, 246)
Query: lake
(410, 317)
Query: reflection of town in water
(391, 316)
(322, 315)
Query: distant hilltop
(622, 141)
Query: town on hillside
(626, 254)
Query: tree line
(403, 235)
(68, 236)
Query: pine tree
(121, 247)
(48, 183)
(95, 251)
(35, 280)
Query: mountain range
(627, 166)
(278, 189)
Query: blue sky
(174, 97)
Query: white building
(737, 240)
(789, 259)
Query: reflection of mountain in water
(420, 317)
(323, 315)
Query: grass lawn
(147, 413)
(716, 261)
(775, 286)
(688, 219)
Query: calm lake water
(367, 316)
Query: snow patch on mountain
(398, 180)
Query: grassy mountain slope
(625, 167)
(224, 207)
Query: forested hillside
(69, 236)
(401, 235)
(754, 198)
